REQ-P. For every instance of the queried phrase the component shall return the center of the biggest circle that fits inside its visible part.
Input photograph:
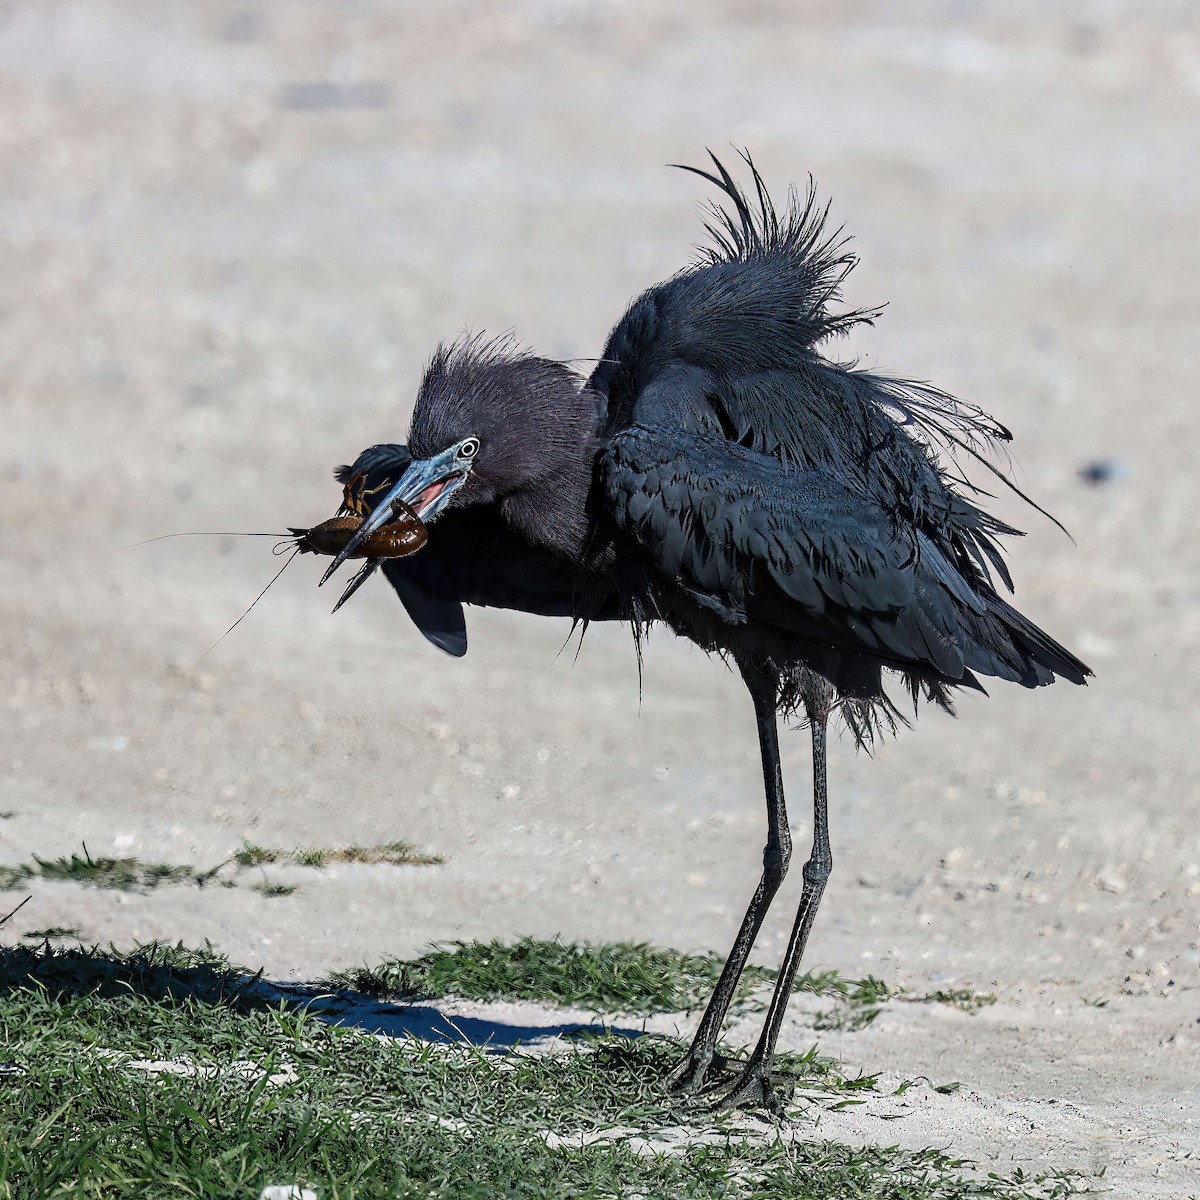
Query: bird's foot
(751, 1089)
(687, 1076)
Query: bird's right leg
(688, 1076)
(753, 1085)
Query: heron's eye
(469, 448)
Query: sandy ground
(232, 234)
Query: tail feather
(1008, 645)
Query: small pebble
(1102, 471)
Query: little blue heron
(806, 520)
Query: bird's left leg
(688, 1076)
(753, 1085)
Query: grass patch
(124, 874)
(961, 998)
(251, 855)
(627, 977)
(611, 977)
(395, 854)
(155, 972)
(275, 889)
(127, 874)
(860, 1001)
(13, 877)
(154, 1075)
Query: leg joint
(818, 868)
(776, 856)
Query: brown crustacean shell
(396, 540)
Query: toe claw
(688, 1076)
(752, 1089)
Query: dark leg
(753, 1086)
(689, 1074)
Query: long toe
(687, 1076)
(751, 1089)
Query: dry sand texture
(232, 233)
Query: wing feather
(749, 539)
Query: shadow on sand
(171, 974)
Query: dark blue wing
(441, 621)
(753, 540)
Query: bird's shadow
(423, 1019)
(160, 974)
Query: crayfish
(397, 539)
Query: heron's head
(494, 425)
(495, 421)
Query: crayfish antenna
(252, 603)
(162, 537)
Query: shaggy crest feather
(813, 264)
(755, 233)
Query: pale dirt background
(218, 282)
